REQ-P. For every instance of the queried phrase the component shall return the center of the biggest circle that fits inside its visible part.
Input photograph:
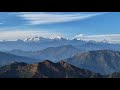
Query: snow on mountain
(58, 38)
(108, 38)
(36, 39)
(107, 41)
(39, 43)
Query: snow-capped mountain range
(37, 39)
(39, 43)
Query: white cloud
(115, 38)
(19, 34)
(80, 35)
(48, 18)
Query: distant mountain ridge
(39, 39)
(40, 43)
(100, 61)
(53, 53)
(6, 58)
(48, 69)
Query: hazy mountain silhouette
(6, 58)
(53, 53)
(100, 61)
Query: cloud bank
(19, 34)
(114, 38)
(50, 18)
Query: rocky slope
(100, 61)
(45, 69)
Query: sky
(81, 25)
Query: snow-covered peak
(34, 39)
(57, 38)
(106, 41)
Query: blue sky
(82, 25)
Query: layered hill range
(52, 53)
(99, 61)
(48, 69)
(98, 57)
(45, 69)
(6, 58)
